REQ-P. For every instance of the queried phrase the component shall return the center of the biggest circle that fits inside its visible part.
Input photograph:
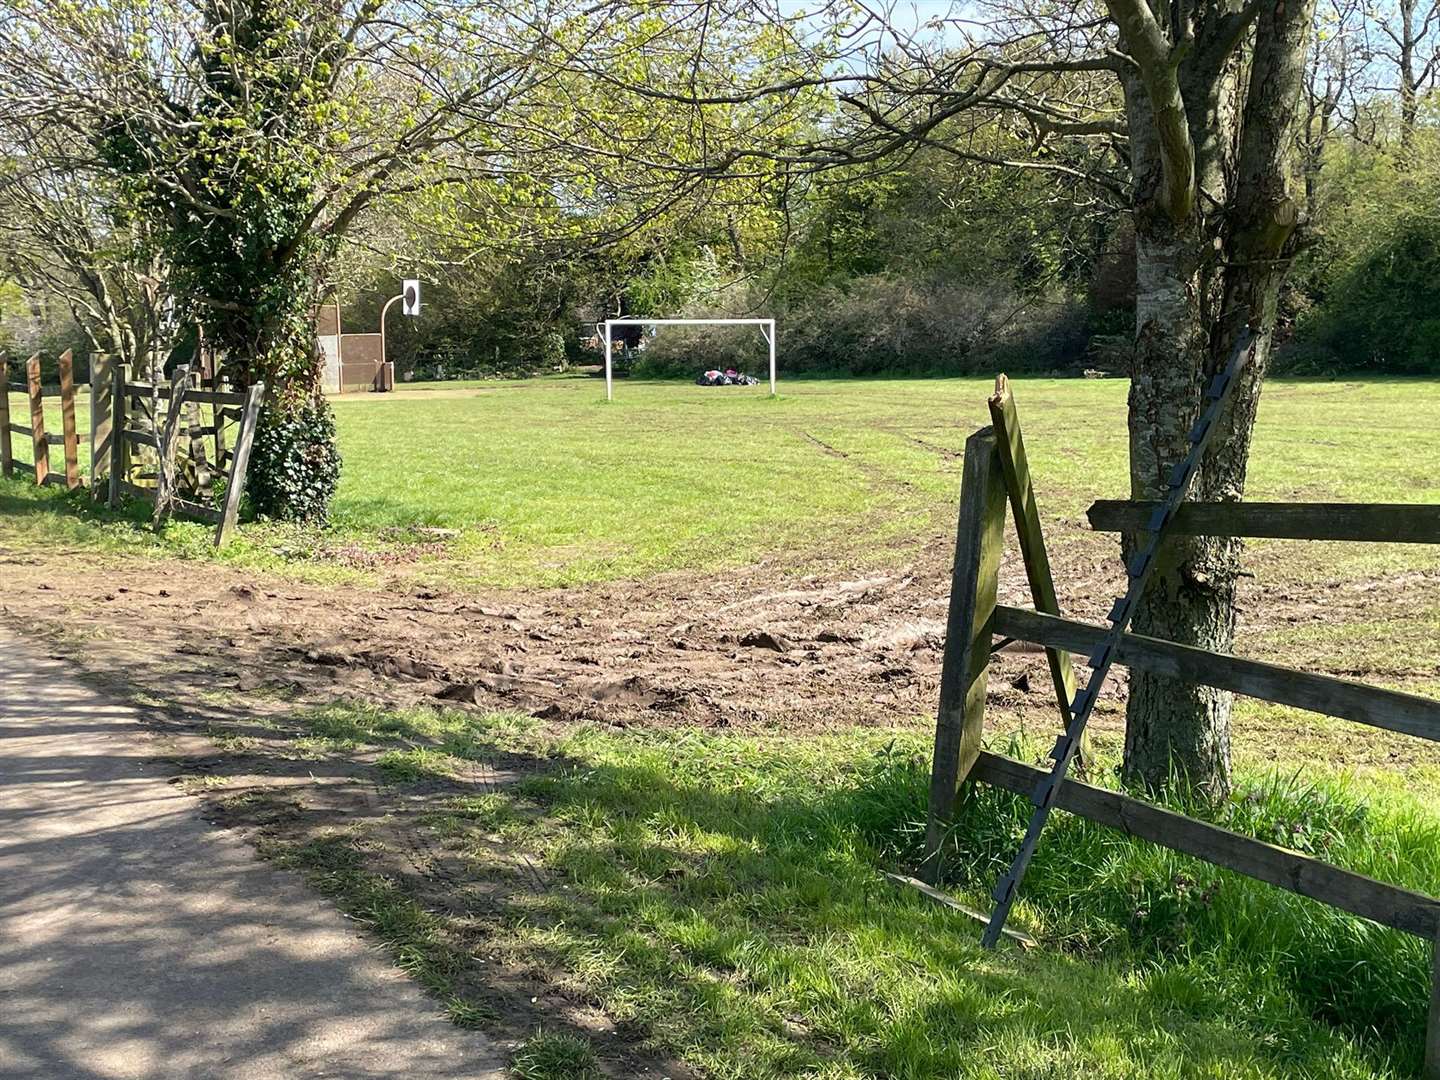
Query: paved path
(136, 941)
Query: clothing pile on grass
(729, 377)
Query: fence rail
(995, 473)
(1393, 710)
(1388, 523)
(1390, 905)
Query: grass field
(717, 894)
(548, 484)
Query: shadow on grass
(776, 899)
(21, 499)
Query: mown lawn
(548, 484)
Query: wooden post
(152, 410)
(239, 463)
(70, 435)
(37, 420)
(1432, 1026)
(7, 462)
(165, 445)
(102, 390)
(218, 415)
(194, 429)
(980, 535)
(119, 445)
(1016, 468)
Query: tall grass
(1257, 948)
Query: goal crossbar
(767, 330)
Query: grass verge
(721, 896)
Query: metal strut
(1101, 660)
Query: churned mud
(752, 649)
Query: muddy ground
(745, 649)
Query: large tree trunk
(1205, 269)
(1174, 728)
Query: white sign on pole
(411, 293)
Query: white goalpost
(767, 329)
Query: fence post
(239, 462)
(165, 479)
(7, 462)
(218, 414)
(194, 428)
(37, 420)
(979, 537)
(1016, 467)
(70, 436)
(119, 445)
(102, 390)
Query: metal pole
(770, 337)
(384, 356)
(339, 350)
(609, 388)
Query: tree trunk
(1173, 728)
(1409, 84)
(1202, 274)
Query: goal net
(767, 330)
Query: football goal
(767, 330)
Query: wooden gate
(996, 471)
(149, 460)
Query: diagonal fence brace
(1139, 570)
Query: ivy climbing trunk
(294, 462)
(234, 177)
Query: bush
(882, 325)
(294, 463)
(678, 359)
(1380, 314)
(552, 351)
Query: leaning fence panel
(150, 461)
(977, 626)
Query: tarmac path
(138, 941)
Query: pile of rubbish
(729, 377)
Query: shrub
(882, 325)
(682, 358)
(294, 463)
(552, 350)
(1378, 313)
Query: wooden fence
(996, 471)
(149, 460)
(41, 439)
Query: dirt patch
(746, 650)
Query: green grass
(549, 1056)
(721, 896)
(548, 484)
